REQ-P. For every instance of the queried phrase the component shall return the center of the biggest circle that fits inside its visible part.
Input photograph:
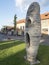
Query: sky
(8, 8)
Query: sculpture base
(32, 62)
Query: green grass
(12, 53)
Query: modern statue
(32, 32)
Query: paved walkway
(44, 39)
(8, 37)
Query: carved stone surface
(32, 31)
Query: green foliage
(15, 17)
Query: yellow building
(44, 23)
(21, 24)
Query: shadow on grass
(5, 41)
(18, 58)
(15, 59)
(10, 44)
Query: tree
(15, 17)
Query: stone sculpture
(32, 32)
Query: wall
(45, 26)
(21, 25)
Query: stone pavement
(44, 39)
(4, 37)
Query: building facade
(21, 24)
(44, 23)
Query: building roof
(43, 17)
(8, 27)
(21, 21)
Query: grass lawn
(12, 53)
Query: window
(20, 27)
(46, 15)
(23, 27)
(45, 29)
